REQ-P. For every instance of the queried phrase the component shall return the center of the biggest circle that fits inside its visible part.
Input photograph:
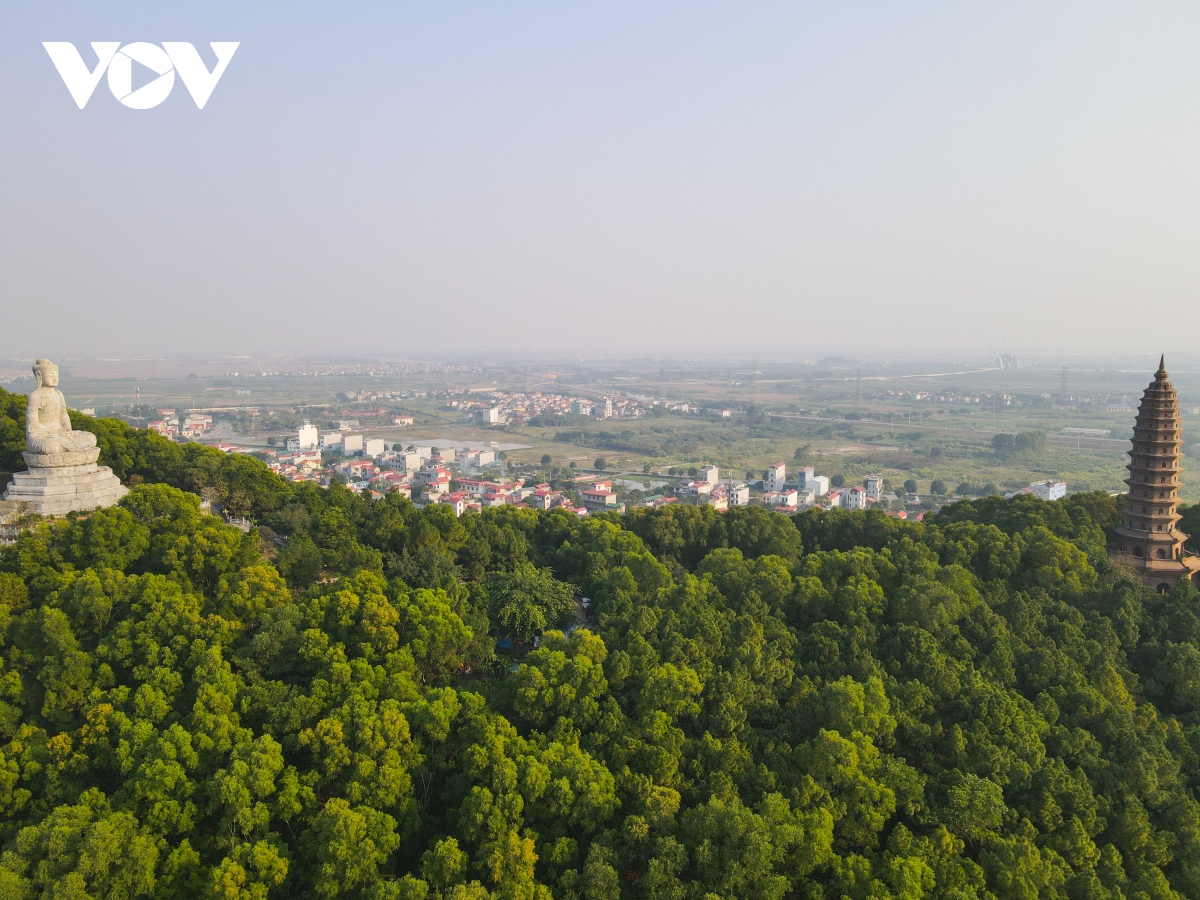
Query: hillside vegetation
(754, 706)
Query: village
(470, 478)
(354, 450)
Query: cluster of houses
(808, 489)
(424, 474)
(432, 483)
(501, 407)
(949, 397)
(445, 475)
(193, 424)
(367, 460)
(474, 495)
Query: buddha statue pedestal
(63, 476)
(59, 488)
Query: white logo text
(117, 59)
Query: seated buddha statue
(47, 425)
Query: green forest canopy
(836, 704)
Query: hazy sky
(609, 177)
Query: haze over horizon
(777, 179)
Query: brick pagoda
(1149, 541)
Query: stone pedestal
(60, 483)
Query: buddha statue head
(46, 373)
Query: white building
(807, 479)
(1049, 490)
(409, 462)
(806, 497)
(738, 494)
(331, 441)
(709, 474)
(776, 475)
(874, 485)
(489, 416)
(307, 437)
(479, 458)
(854, 498)
(352, 443)
(785, 500)
(374, 447)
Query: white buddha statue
(47, 425)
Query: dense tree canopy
(837, 704)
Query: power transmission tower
(1063, 390)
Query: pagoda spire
(1161, 374)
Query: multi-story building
(307, 437)
(478, 458)
(854, 498)
(809, 479)
(489, 416)
(710, 474)
(409, 461)
(776, 476)
(874, 486)
(781, 500)
(599, 500)
(544, 497)
(694, 491)
(738, 493)
(434, 478)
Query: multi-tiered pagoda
(1149, 541)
